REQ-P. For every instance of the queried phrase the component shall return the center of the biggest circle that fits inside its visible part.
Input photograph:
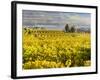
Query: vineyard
(55, 49)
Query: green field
(55, 49)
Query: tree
(72, 29)
(42, 27)
(67, 28)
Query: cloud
(46, 17)
(80, 19)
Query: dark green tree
(72, 29)
(42, 27)
(67, 28)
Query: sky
(53, 19)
